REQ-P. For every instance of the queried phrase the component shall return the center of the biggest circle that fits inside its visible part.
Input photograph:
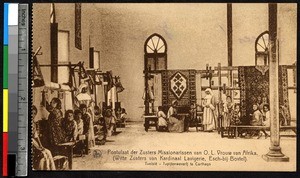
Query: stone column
(229, 44)
(274, 154)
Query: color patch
(4, 154)
(5, 25)
(5, 67)
(5, 110)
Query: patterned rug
(179, 85)
(254, 83)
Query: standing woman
(209, 111)
(56, 132)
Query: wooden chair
(198, 121)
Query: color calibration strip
(15, 63)
(5, 92)
(12, 88)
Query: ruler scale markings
(22, 162)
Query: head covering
(208, 90)
(174, 101)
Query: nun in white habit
(209, 104)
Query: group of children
(259, 117)
(231, 115)
(105, 125)
(80, 126)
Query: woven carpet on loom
(178, 85)
(254, 83)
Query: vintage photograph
(164, 86)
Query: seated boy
(110, 122)
(236, 115)
(256, 120)
(235, 119)
(123, 115)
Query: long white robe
(208, 114)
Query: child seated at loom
(266, 120)
(97, 115)
(256, 120)
(235, 119)
(236, 115)
(70, 126)
(99, 127)
(80, 140)
(162, 123)
(118, 115)
(110, 122)
(266, 116)
(123, 115)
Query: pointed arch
(155, 43)
(262, 48)
(155, 49)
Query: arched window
(262, 49)
(155, 49)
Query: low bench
(250, 127)
(148, 120)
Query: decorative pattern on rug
(254, 84)
(179, 85)
(283, 91)
(242, 84)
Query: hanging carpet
(178, 85)
(254, 83)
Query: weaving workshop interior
(110, 76)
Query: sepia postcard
(164, 86)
